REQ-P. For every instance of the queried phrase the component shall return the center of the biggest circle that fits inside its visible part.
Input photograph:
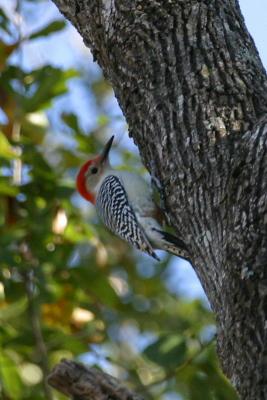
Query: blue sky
(255, 13)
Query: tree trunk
(194, 92)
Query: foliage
(68, 288)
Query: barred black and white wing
(117, 214)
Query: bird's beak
(105, 152)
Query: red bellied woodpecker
(124, 203)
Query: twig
(187, 362)
(81, 383)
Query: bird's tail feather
(175, 245)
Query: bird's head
(91, 173)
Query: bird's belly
(151, 228)
(138, 193)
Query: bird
(124, 203)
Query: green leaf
(6, 150)
(216, 382)
(5, 51)
(43, 85)
(10, 378)
(6, 188)
(34, 126)
(103, 120)
(169, 351)
(71, 120)
(4, 21)
(69, 159)
(53, 27)
(13, 310)
(199, 388)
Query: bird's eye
(94, 170)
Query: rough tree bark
(194, 92)
(81, 383)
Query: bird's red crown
(100, 163)
(81, 181)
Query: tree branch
(78, 382)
